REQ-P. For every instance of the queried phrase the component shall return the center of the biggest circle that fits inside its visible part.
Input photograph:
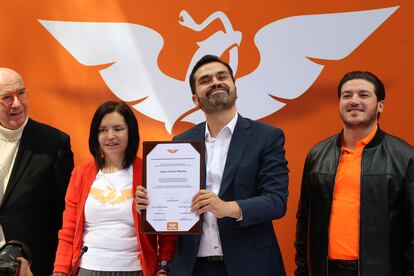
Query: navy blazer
(256, 176)
(32, 206)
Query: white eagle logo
(285, 71)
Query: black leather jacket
(386, 239)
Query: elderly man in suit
(36, 162)
(246, 185)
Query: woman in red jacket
(100, 220)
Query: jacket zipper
(359, 218)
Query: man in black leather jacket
(356, 208)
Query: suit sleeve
(408, 250)
(271, 182)
(302, 216)
(63, 166)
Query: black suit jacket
(256, 176)
(32, 206)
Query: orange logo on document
(172, 150)
(172, 226)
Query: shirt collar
(230, 126)
(363, 142)
(369, 137)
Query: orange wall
(65, 93)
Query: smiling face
(113, 136)
(13, 99)
(358, 104)
(214, 88)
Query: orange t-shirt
(344, 225)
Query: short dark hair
(364, 75)
(133, 134)
(204, 60)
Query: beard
(216, 102)
(354, 123)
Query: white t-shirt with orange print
(109, 230)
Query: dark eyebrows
(203, 78)
(208, 76)
(223, 73)
(359, 92)
(120, 125)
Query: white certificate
(172, 177)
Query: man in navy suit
(246, 184)
(35, 166)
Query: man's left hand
(207, 201)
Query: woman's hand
(141, 199)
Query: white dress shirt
(216, 155)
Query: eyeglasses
(8, 97)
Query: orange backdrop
(65, 93)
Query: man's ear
(381, 106)
(195, 101)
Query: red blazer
(70, 236)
